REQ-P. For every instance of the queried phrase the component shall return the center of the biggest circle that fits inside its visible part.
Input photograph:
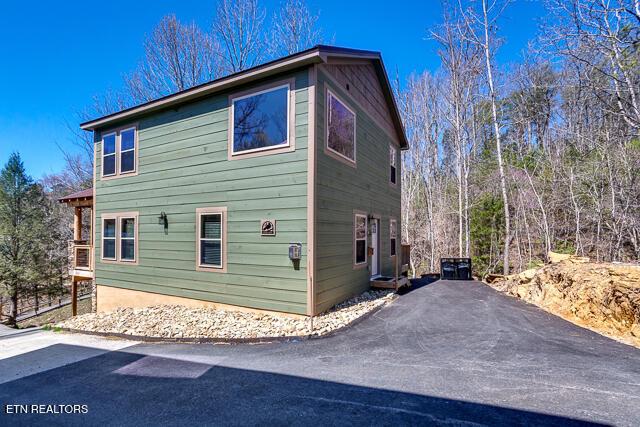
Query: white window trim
(393, 221)
(118, 173)
(222, 211)
(355, 239)
(118, 217)
(233, 100)
(134, 149)
(395, 167)
(114, 238)
(135, 243)
(211, 239)
(114, 154)
(330, 94)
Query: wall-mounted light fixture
(162, 220)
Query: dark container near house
(455, 268)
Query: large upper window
(119, 237)
(341, 128)
(261, 120)
(211, 244)
(360, 239)
(119, 152)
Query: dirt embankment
(603, 297)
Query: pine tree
(21, 227)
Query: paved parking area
(445, 353)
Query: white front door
(375, 245)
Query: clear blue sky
(57, 55)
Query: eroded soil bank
(603, 297)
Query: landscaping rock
(175, 321)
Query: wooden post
(74, 297)
(77, 224)
(395, 262)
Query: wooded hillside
(510, 161)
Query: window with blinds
(210, 239)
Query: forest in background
(510, 162)
(506, 161)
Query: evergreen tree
(21, 228)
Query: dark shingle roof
(78, 195)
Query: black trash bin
(455, 268)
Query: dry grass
(57, 315)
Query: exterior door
(375, 245)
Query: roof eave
(295, 61)
(317, 54)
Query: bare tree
(602, 35)
(238, 29)
(295, 29)
(177, 57)
(460, 59)
(481, 27)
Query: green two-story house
(276, 188)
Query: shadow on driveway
(136, 389)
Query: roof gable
(371, 71)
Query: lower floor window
(360, 237)
(109, 239)
(393, 233)
(119, 236)
(128, 239)
(211, 238)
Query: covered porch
(81, 259)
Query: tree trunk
(13, 313)
(496, 127)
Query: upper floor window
(393, 158)
(260, 120)
(341, 128)
(109, 154)
(119, 152)
(128, 150)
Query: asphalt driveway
(446, 353)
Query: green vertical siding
(341, 189)
(182, 166)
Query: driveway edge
(206, 340)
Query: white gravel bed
(175, 321)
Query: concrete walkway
(446, 353)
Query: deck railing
(80, 255)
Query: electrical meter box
(295, 251)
